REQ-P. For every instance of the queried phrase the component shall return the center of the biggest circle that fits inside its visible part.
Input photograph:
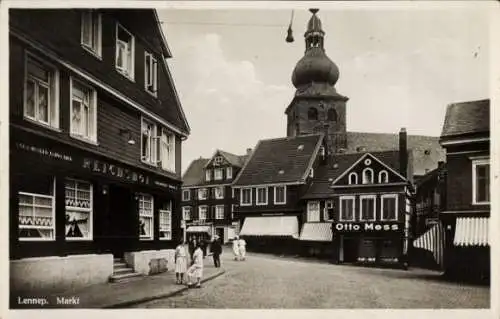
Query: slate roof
(235, 160)
(467, 118)
(281, 154)
(426, 151)
(195, 175)
(324, 175)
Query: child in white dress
(180, 262)
(242, 244)
(236, 249)
(196, 269)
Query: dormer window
(367, 176)
(383, 177)
(125, 45)
(150, 73)
(353, 178)
(91, 32)
(208, 175)
(229, 172)
(218, 174)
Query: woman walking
(180, 262)
(236, 249)
(196, 269)
(242, 244)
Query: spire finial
(313, 10)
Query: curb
(160, 296)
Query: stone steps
(121, 271)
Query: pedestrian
(242, 244)
(203, 242)
(191, 248)
(216, 251)
(196, 269)
(236, 249)
(180, 262)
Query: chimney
(249, 151)
(403, 152)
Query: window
(261, 195)
(150, 73)
(41, 92)
(124, 52)
(37, 214)
(218, 174)
(328, 211)
(91, 32)
(167, 150)
(83, 122)
(145, 216)
(202, 210)
(186, 213)
(208, 175)
(246, 196)
(347, 208)
(280, 194)
(389, 207)
(367, 176)
(367, 209)
(218, 160)
(229, 172)
(148, 145)
(166, 221)
(353, 178)
(219, 192)
(332, 115)
(383, 177)
(219, 212)
(202, 194)
(312, 114)
(78, 198)
(481, 181)
(186, 195)
(313, 211)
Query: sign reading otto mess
(366, 227)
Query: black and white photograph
(218, 155)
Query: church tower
(316, 106)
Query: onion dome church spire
(316, 106)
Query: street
(265, 281)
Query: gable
(369, 162)
(217, 161)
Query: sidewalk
(123, 294)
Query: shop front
(370, 243)
(74, 211)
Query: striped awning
(271, 226)
(198, 229)
(316, 232)
(471, 231)
(433, 241)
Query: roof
(280, 160)
(426, 151)
(467, 118)
(235, 160)
(324, 175)
(194, 175)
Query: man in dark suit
(216, 251)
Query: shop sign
(44, 151)
(368, 226)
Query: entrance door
(350, 250)
(220, 232)
(121, 224)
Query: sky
(399, 67)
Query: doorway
(219, 231)
(121, 230)
(350, 249)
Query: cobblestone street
(264, 281)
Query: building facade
(207, 198)
(96, 129)
(466, 138)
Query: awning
(271, 226)
(317, 232)
(198, 229)
(471, 231)
(433, 241)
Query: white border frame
(130, 76)
(368, 169)
(91, 214)
(207, 212)
(356, 178)
(341, 210)
(93, 139)
(241, 196)
(144, 238)
(223, 212)
(155, 73)
(98, 53)
(309, 203)
(223, 192)
(257, 197)
(284, 195)
(380, 177)
(189, 196)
